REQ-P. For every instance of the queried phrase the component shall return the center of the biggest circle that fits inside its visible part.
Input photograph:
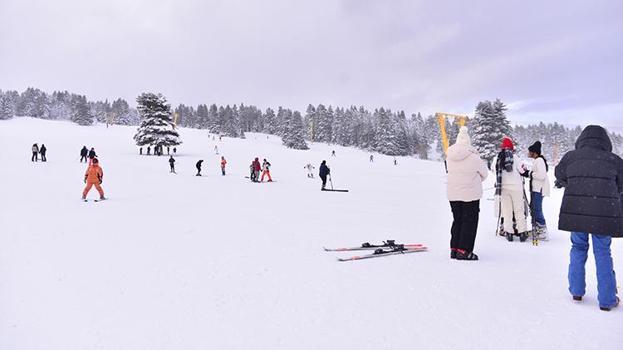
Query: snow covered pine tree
(156, 128)
(488, 127)
(293, 131)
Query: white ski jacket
(540, 180)
(466, 172)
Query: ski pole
(330, 181)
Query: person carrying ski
(198, 165)
(266, 171)
(256, 169)
(509, 191)
(466, 172)
(35, 153)
(324, 171)
(42, 151)
(83, 154)
(310, 170)
(93, 177)
(92, 155)
(591, 206)
(539, 188)
(223, 164)
(172, 165)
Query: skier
(539, 188)
(323, 173)
(223, 164)
(42, 151)
(174, 150)
(333, 153)
(216, 149)
(92, 155)
(35, 153)
(395, 161)
(256, 169)
(593, 180)
(83, 154)
(140, 151)
(466, 172)
(198, 165)
(252, 171)
(371, 158)
(93, 177)
(172, 164)
(266, 171)
(149, 150)
(310, 170)
(509, 191)
(168, 153)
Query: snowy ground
(183, 262)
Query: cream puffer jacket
(466, 172)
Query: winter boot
(577, 298)
(465, 255)
(509, 236)
(523, 236)
(453, 253)
(608, 308)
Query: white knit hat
(463, 137)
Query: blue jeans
(537, 207)
(606, 280)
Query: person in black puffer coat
(324, 171)
(593, 179)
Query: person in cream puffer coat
(466, 172)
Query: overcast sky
(548, 59)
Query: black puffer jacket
(593, 179)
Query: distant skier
(216, 149)
(42, 151)
(168, 149)
(93, 177)
(174, 150)
(35, 153)
(324, 171)
(252, 171)
(539, 188)
(509, 191)
(149, 150)
(92, 155)
(371, 158)
(266, 171)
(310, 170)
(257, 167)
(333, 153)
(83, 154)
(140, 151)
(395, 161)
(223, 164)
(172, 164)
(466, 172)
(198, 165)
(593, 180)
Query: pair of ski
(333, 190)
(386, 249)
(95, 200)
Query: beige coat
(466, 172)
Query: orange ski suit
(93, 177)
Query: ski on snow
(333, 190)
(380, 252)
(368, 246)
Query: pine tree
(323, 125)
(310, 123)
(81, 113)
(488, 127)
(203, 117)
(6, 109)
(156, 128)
(294, 131)
(270, 122)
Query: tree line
(380, 130)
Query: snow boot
(453, 253)
(465, 255)
(523, 236)
(609, 308)
(509, 236)
(577, 298)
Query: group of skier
(592, 204)
(87, 155)
(158, 150)
(38, 151)
(255, 168)
(198, 165)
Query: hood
(594, 136)
(458, 152)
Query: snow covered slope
(216, 262)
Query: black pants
(172, 168)
(324, 181)
(83, 157)
(198, 171)
(43, 158)
(34, 157)
(465, 224)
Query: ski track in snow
(186, 262)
